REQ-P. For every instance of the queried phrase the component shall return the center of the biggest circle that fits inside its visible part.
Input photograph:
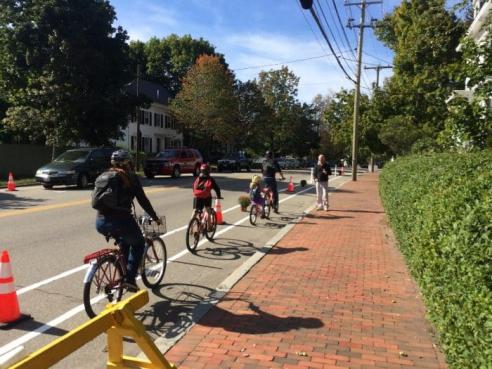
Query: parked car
(234, 163)
(173, 162)
(75, 167)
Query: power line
(311, 28)
(284, 62)
(320, 26)
(331, 32)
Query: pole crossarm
(118, 321)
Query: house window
(168, 121)
(147, 118)
(162, 121)
(158, 144)
(133, 140)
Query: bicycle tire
(107, 273)
(267, 208)
(154, 262)
(193, 234)
(253, 214)
(210, 234)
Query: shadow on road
(9, 200)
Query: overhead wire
(323, 32)
(349, 67)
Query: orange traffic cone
(11, 183)
(218, 212)
(9, 305)
(290, 187)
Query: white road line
(85, 266)
(74, 311)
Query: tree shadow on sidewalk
(358, 211)
(257, 322)
(277, 250)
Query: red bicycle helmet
(205, 168)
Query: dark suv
(75, 167)
(174, 162)
(234, 162)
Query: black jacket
(321, 172)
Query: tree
(254, 116)
(63, 67)
(424, 36)
(167, 60)
(279, 89)
(206, 104)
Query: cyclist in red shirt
(202, 189)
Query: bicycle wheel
(210, 232)
(193, 234)
(102, 284)
(154, 262)
(253, 214)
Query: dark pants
(199, 204)
(129, 237)
(272, 183)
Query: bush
(440, 207)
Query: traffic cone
(290, 187)
(11, 183)
(9, 305)
(218, 212)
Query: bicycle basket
(151, 227)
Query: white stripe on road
(72, 312)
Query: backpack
(106, 190)
(202, 188)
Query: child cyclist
(255, 191)
(202, 189)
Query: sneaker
(131, 286)
(319, 208)
(325, 208)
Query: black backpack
(105, 195)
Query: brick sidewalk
(334, 293)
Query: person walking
(321, 172)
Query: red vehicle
(173, 162)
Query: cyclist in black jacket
(118, 222)
(269, 168)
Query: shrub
(440, 207)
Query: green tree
(279, 89)
(167, 60)
(254, 116)
(62, 69)
(206, 104)
(424, 36)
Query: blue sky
(254, 33)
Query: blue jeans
(272, 183)
(129, 237)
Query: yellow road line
(41, 208)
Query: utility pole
(361, 27)
(139, 135)
(378, 69)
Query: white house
(481, 10)
(158, 128)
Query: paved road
(48, 233)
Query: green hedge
(440, 208)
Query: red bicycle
(103, 281)
(203, 222)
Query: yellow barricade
(118, 321)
